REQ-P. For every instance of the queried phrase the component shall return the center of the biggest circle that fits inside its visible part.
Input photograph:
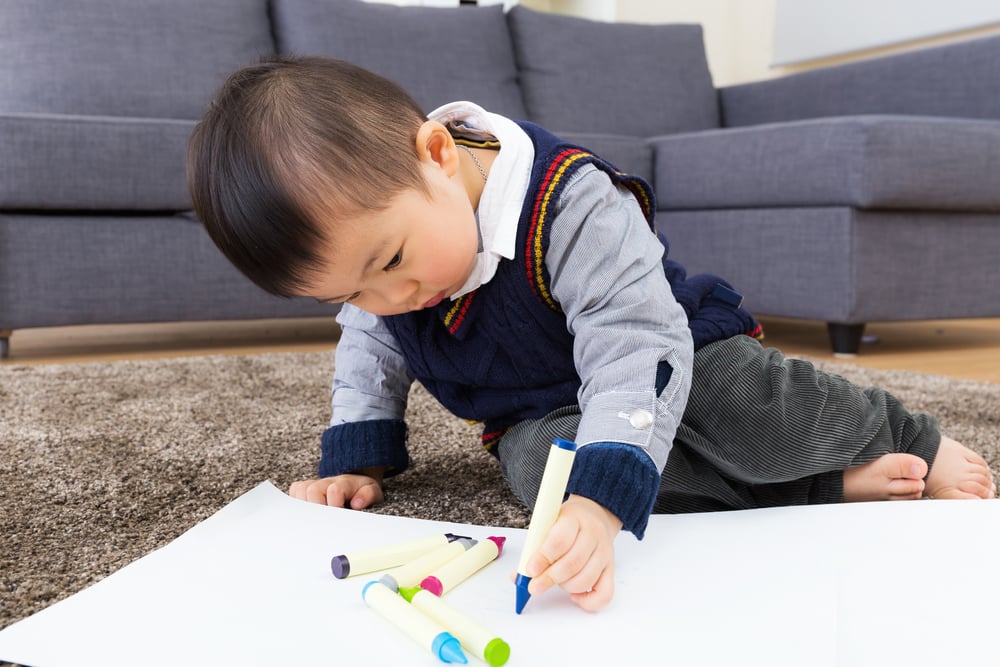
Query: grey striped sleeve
(370, 379)
(607, 275)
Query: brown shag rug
(102, 463)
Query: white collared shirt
(503, 195)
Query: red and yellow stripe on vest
(558, 173)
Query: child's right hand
(356, 491)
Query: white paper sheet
(865, 584)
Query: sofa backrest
(589, 76)
(144, 58)
(98, 97)
(438, 54)
(958, 80)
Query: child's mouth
(435, 301)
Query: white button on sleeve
(641, 419)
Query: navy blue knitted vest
(502, 354)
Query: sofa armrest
(958, 80)
(895, 163)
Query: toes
(903, 466)
(976, 488)
(975, 459)
(905, 489)
(964, 490)
(954, 494)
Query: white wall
(811, 29)
(739, 34)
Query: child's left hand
(578, 554)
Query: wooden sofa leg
(845, 338)
(5, 342)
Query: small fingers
(557, 543)
(585, 572)
(369, 494)
(599, 594)
(569, 559)
(298, 489)
(335, 495)
(352, 491)
(311, 490)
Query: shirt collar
(503, 194)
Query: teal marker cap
(449, 649)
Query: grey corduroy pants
(759, 430)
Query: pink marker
(459, 569)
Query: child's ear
(435, 144)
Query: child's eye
(394, 262)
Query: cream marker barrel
(454, 572)
(412, 573)
(384, 557)
(550, 498)
(415, 624)
(474, 637)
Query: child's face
(411, 255)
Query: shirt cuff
(637, 418)
(373, 443)
(619, 477)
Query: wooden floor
(968, 349)
(959, 348)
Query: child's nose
(402, 293)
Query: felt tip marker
(415, 624)
(414, 572)
(473, 636)
(546, 510)
(455, 571)
(384, 557)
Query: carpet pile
(102, 463)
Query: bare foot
(958, 472)
(889, 477)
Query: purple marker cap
(341, 566)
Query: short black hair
(289, 145)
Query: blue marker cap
(449, 649)
(521, 590)
(568, 445)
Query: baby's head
(289, 146)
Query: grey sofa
(859, 193)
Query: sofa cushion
(62, 269)
(870, 162)
(631, 155)
(840, 264)
(125, 57)
(438, 55)
(641, 80)
(58, 161)
(957, 79)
